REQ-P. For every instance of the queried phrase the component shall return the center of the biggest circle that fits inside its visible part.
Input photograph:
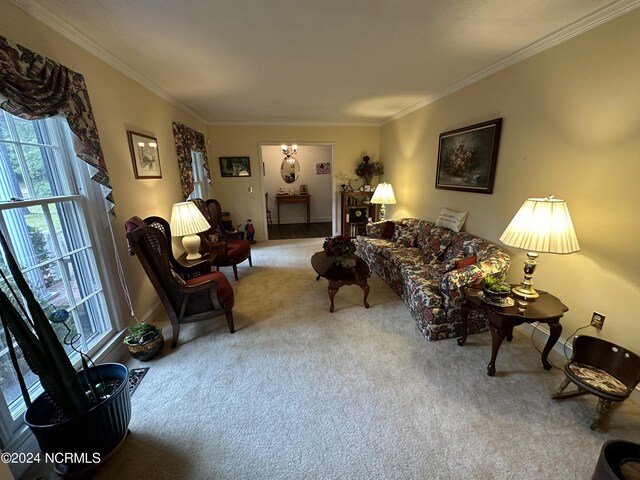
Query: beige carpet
(299, 393)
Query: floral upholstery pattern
(598, 378)
(424, 275)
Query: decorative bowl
(492, 294)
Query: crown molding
(295, 124)
(580, 26)
(54, 22)
(603, 15)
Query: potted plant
(368, 169)
(494, 287)
(341, 249)
(84, 415)
(144, 341)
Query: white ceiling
(315, 61)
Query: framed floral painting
(467, 157)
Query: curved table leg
(555, 329)
(497, 336)
(332, 293)
(365, 288)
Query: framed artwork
(323, 168)
(467, 157)
(144, 155)
(366, 188)
(235, 166)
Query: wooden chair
(266, 201)
(185, 296)
(603, 369)
(229, 246)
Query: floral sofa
(429, 267)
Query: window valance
(34, 87)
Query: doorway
(314, 174)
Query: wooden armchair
(602, 368)
(185, 296)
(229, 246)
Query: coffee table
(339, 276)
(546, 309)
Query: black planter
(92, 436)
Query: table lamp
(383, 194)
(541, 225)
(186, 222)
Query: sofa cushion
(437, 242)
(225, 291)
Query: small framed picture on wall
(235, 167)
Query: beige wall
(571, 128)
(119, 104)
(350, 144)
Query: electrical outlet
(597, 320)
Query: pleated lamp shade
(542, 225)
(186, 221)
(383, 194)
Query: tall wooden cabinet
(356, 211)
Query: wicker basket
(147, 350)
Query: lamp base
(382, 211)
(191, 244)
(525, 290)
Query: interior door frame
(334, 217)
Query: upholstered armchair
(229, 246)
(186, 294)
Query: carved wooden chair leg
(560, 393)
(601, 410)
(235, 272)
(229, 316)
(250, 264)
(563, 385)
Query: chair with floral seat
(603, 369)
(186, 297)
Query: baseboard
(541, 334)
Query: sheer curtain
(188, 140)
(34, 87)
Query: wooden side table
(546, 309)
(287, 199)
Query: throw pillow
(388, 229)
(451, 219)
(465, 262)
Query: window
(45, 206)
(200, 184)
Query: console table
(546, 309)
(306, 199)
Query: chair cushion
(238, 249)
(225, 291)
(598, 378)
